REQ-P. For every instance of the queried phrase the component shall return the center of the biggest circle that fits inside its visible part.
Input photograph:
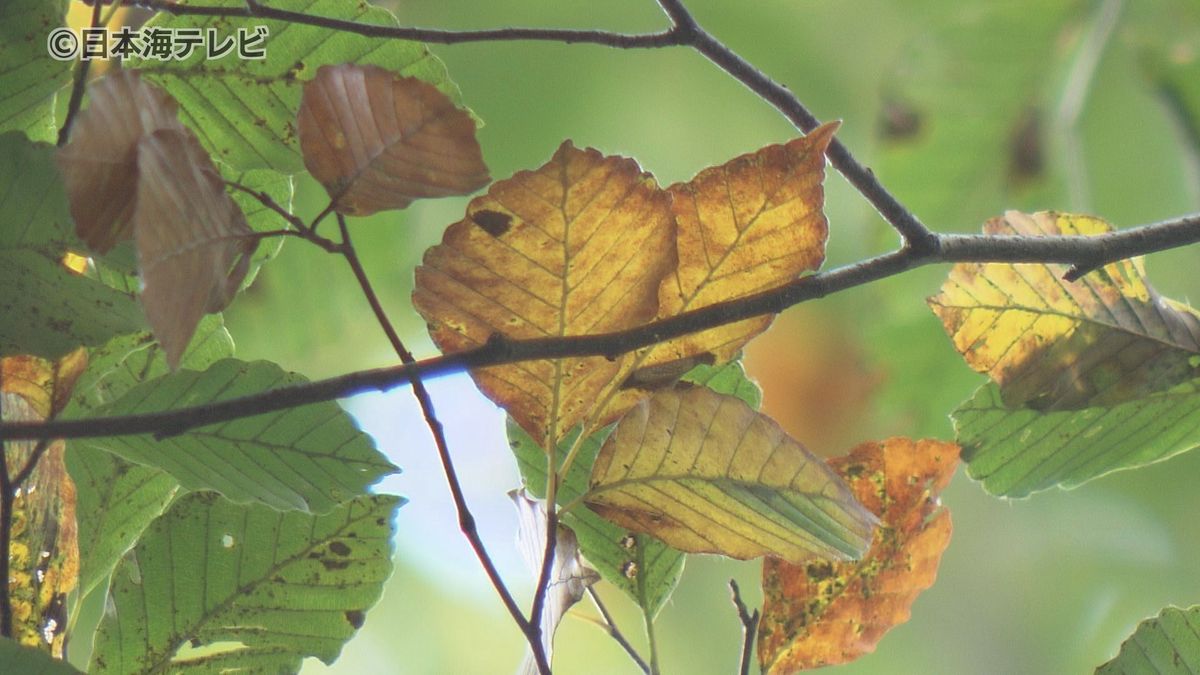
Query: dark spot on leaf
(333, 565)
(339, 548)
(355, 618)
(492, 222)
(819, 570)
(195, 642)
(898, 119)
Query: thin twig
(1083, 252)
(543, 582)
(269, 202)
(81, 73)
(749, 628)
(610, 626)
(6, 508)
(466, 520)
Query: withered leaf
(1051, 344)
(706, 473)
(578, 246)
(100, 164)
(192, 240)
(825, 613)
(43, 553)
(378, 141)
(749, 225)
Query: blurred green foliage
(965, 109)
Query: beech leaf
(825, 613)
(1051, 344)
(749, 225)
(1167, 643)
(578, 246)
(378, 141)
(100, 164)
(706, 473)
(192, 243)
(43, 552)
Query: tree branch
(466, 520)
(77, 88)
(615, 633)
(436, 36)
(749, 627)
(1082, 252)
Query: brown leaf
(749, 225)
(377, 141)
(192, 243)
(44, 549)
(578, 246)
(827, 613)
(1052, 344)
(705, 473)
(100, 164)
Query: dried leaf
(569, 576)
(191, 238)
(706, 473)
(44, 550)
(827, 613)
(378, 141)
(578, 246)
(749, 225)
(100, 164)
(1052, 344)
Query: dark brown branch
(81, 73)
(610, 626)
(543, 581)
(749, 628)
(466, 520)
(437, 36)
(1070, 250)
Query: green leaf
(310, 458)
(30, 78)
(56, 309)
(117, 499)
(217, 587)
(1167, 643)
(729, 378)
(260, 218)
(640, 565)
(18, 658)
(1017, 451)
(244, 111)
(706, 473)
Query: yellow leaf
(705, 473)
(44, 550)
(825, 613)
(100, 164)
(191, 240)
(749, 225)
(1052, 344)
(578, 246)
(377, 141)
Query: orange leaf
(578, 246)
(99, 165)
(193, 251)
(749, 225)
(826, 613)
(377, 141)
(44, 549)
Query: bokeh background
(965, 109)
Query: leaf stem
(651, 640)
(466, 520)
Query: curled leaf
(825, 613)
(1051, 344)
(578, 246)
(706, 473)
(100, 164)
(377, 141)
(192, 240)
